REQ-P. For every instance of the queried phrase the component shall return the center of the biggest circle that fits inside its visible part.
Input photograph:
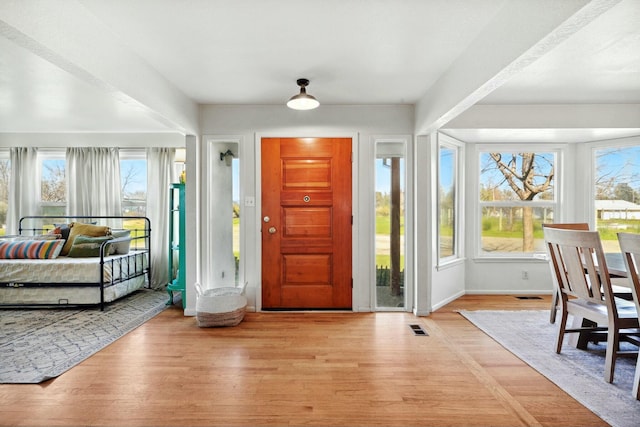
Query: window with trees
(133, 180)
(517, 195)
(390, 185)
(617, 193)
(53, 184)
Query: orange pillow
(79, 228)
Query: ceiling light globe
(303, 102)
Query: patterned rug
(530, 336)
(40, 344)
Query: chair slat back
(579, 264)
(630, 247)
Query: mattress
(58, 273)
(65, 295)
(70, 270)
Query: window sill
(537, 258)
(450, 264)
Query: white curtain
(24, 183)
(160, 174)
(93, 181)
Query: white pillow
(120, 248)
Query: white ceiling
(598, 65)
(252, 51)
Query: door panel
(306, 229)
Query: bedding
(82, 229)
(102, 263)
(69, 270)
(30, 249)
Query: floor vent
(526, 297)
(417, 330)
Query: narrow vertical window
(389, 224)
(5, 172)
(224, 214)
(133, 182)
(53, 184)
(447, 201)
(235, 184)
(133, 179)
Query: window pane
(235, 179)
(516, 176)
(617, 193)
(508, 183)
(53, 186)
(5, 170)
(389, 224)
(133, 179)
(503, 228)
(447, 202)
(223, 265)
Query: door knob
(272, 230)
(267, 219)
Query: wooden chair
(580, 268)
(556, 293)
(630, 247)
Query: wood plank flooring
(322, 369)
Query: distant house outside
(616, 209)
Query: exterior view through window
(617, 193)
(133, 187)
(389, 225)
(53, 185)
(447, 201)
(235, 185)
(516, 197)
(5, 170)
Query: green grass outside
(383, 224)
(608, 229)
(385, 261)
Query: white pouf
(220, 306)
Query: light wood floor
(323, 369)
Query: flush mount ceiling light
(303, 101)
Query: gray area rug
(40, 344)
(530, 336)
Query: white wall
(435, 286)
(247, 124)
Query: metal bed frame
(130, 266)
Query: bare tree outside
(618, 174)
(617, 180)
(129, 177)
(525, 177)
(133, 185)
(53, 185)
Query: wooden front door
(306, 223)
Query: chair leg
(636, 382)
(561, 328)
(613, 341)
(554, 307)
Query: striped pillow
(31, 249)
